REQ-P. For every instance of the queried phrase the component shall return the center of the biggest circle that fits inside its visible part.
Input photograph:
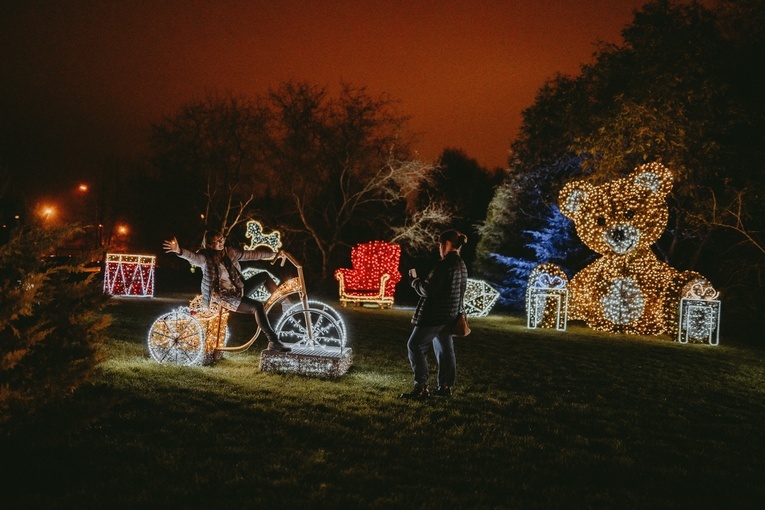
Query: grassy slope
(540, 419)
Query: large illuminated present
(374, 275)
(699, 315)
(129, 275)
(547, 298)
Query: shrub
(51, 323)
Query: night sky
(83, 80)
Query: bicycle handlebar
(284, 256)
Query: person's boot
(417, 393)
(443, 391)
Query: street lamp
(47, 212)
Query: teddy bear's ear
(572, 196)
(654, 176)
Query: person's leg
(256, 308)
(443, 346)
(263, 278)
(417, 347)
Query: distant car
(93, 267)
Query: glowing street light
(47, 212)
(83, 187)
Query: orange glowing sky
(83, 79)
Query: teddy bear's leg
(682, 285)
(547, 297)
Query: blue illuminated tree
(555, 241)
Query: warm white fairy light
(214, 322)
(480, 297)
(258, 238)
(627, 289)
(129, 275)
(177, 338)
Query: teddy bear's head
(621, 216)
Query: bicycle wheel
(312, 328)
(312, 303)
(177, 338)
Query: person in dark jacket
(222, 280)
(441, 296)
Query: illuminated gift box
(547, 298)
(374, 275)
(129, 275)
(699, 316)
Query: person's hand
(171, 246)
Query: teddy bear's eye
(601, 221)
(629, 214)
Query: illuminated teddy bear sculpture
(628, 289)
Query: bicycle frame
(300, 290)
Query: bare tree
(734, 216)
(343, 162)
(217, 144)
(420, 228)
(335, 170)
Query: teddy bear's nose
(618, 235)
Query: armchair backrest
(377, 258)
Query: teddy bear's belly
(623, 302)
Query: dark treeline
(334, 169)
(678, 90)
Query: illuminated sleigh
(197, 335)
(374, 275)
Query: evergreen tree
(51, 324)
(554, 242)
(678, 91)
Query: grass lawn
(539, 419)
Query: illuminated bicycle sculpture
(193, 336)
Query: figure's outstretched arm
(172, 246)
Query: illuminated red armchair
(374, 275)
